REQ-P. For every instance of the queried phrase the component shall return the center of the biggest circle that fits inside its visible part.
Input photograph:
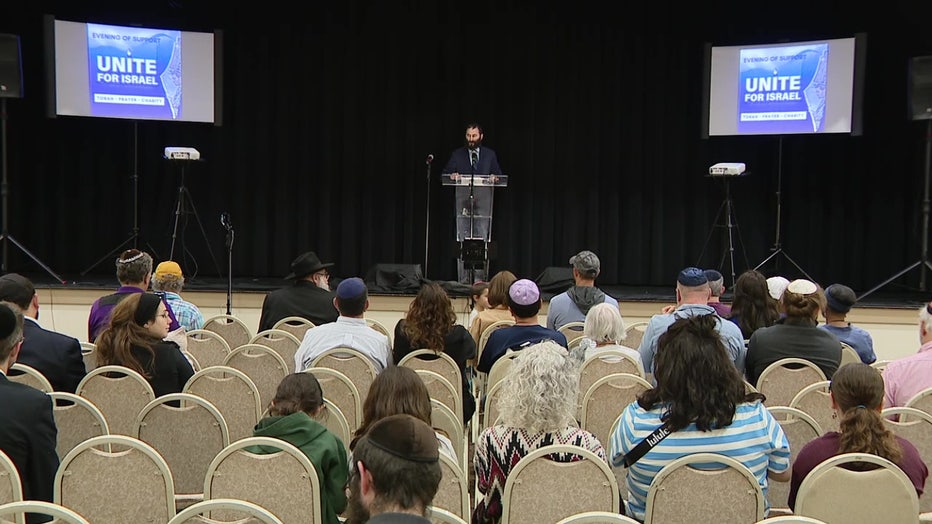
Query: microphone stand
(472, 210)
(228, 225)
(430, 158)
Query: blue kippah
(692, 277)
(351, 288)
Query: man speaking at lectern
(473, 203)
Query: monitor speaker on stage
(11, 67)
(920, 88)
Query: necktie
(474, 158)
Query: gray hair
(540, 391)
(133, 266)
(172, 283)
(604, 324)
(925, 318)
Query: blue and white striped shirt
(754, 438)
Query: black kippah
(147, 308)
(7, 321)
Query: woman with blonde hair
(857, 396)
(135, 339)
(431, 324)
(537, 407)
(795, 336)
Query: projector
(182, 153)
(727, 169)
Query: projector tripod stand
(184, 205)
(731, 227)
(5, 235)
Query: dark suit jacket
(56, 356)
(302, 299)
(28, 436)
(459, 162)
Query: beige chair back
(11, 485)
(244, 512)
(430, 360)
(598, 517)
(921, 401)
(283, 342)
(443, 418)
(441, 516)
(816, 400)
(29, 376)
(790, 519)
(297, 326)
(453, 493)
(335, 422)
(339, 389)
(239, 472)
(582, 479)
(442, 390)
(119, 393)
(783, 379)
(800, 429)
(604, 401)
(232, 329)
(233, 393)
(208, 347)
(500, 368)
(77, 420)
(187, 436)
(634, 333)
(490, 410)
(915, 426)
(89, 353)
(380, 327)
(880, 365)
(833, 493)
(484, 336)
(683, 492)
(605, 363)
(572, 331)
(60, 514)
(133, 485)
(848, 355)
(263, 365)
(354, 364)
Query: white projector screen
(112, 71)
(807, 87)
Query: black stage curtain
(330, 112)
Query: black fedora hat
(306, 264)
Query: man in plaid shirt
(168, 280)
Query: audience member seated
(692, 299)
(430, 323)
(904, 378)
(479, 300)
(717, 287)
(573, 304)
(308, 296)
(133, 271)
(350, 330)
(399, 390)
(498, 304)
(169, 280)
(604, 329)
(135, 339)
(58, 357)
(537, 407)
(396, 473)
(27, 432)
(298, 402)
(699, 404)
(857, 396)
(796, 335)
(752, 306)
(524, 303)
(839, 299)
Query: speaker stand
(5, 235)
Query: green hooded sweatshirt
(324, 449)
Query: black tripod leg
(715, 225)
(204, 234)
(35, 259)
(111, 253)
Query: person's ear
(35, 301)
(366, 490)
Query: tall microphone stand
(228, 225)
(430, 158)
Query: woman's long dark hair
(752, 303)
(115, 343)
(396, 390)
(858, 392)
(696, 377)
(430, 317)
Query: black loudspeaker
(920, 88)
(11, 69)
(555, 279)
